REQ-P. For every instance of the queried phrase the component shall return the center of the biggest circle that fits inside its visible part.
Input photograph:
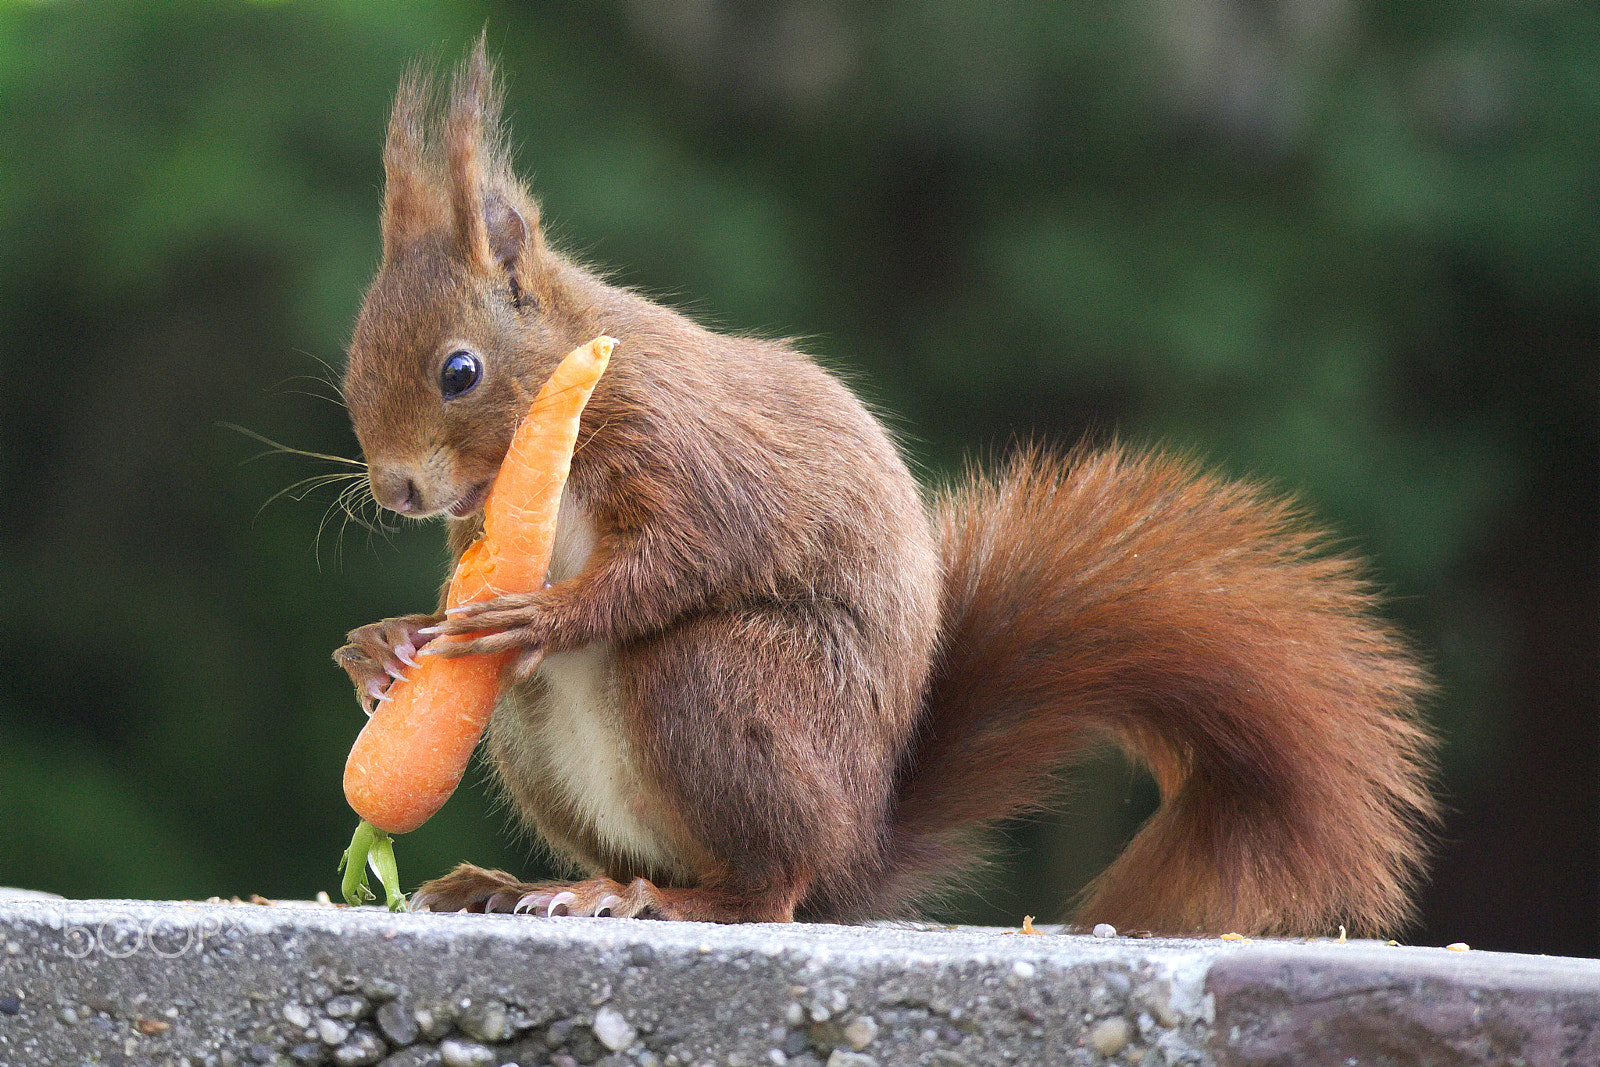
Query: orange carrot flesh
(414, 749)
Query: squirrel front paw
(379, 653)
(521, 621)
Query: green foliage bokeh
(1348, 249)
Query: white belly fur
(579, 722)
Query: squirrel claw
(501, 902)
(544, 902)
(375, 694)
(379, 654)
(529, 901)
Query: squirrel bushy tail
(1197, 623)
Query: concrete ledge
(1284, 1004)
(137, 982)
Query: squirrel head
(460, 325)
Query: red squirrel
(770, 680)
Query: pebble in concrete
(434, 1022)
(346, 1006)
(363, 1049)
(860, 1031)
(1110, 1036)
(333, 1031)
(487, 1021)
(613, 1029)
(397, 1023)
(457, 1053)
(841, 1058)
(379, 990)
(416, 1056)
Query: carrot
(414, 749)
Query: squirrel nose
(396, 491)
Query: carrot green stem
(371, 847)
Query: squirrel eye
(460, 373)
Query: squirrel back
(770, 683)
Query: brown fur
(815, 701)
(1196, 623)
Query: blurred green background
(1347, 248)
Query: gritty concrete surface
(139, 982)
(1280, 1005)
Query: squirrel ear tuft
(448, 168)
(409, 204)
(471, 127)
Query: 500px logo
(169, 934)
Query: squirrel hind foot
(473, 889)
(467, 888)
(470, 888)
